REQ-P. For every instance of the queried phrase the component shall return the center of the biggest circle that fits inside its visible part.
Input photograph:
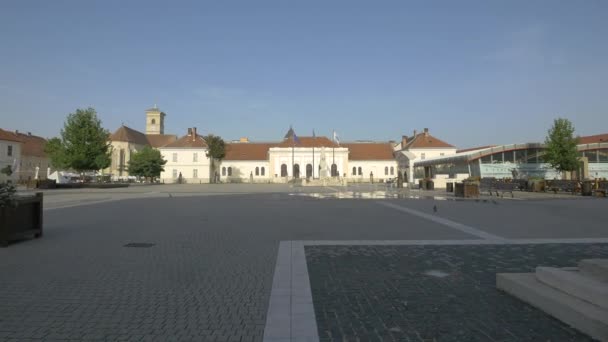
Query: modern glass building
(513, 161)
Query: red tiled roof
(32, 145)
(308, 142)
(248, 151)
(131, 135)
(425, 140)
(9, 136)
(160, 140)
(369, 151)
(189, 141)
(592, 139)
(128, 134)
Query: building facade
(125, 141)
(418, 147)
(187, 160)
(10, 155)
(515, 161)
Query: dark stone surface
(433, 293)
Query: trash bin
(449, 187)
(586, 188)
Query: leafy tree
(560, 143)
(217, 151)
(54, 149)
(7, 170)
(84, 144)
(146, 163)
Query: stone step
(586, 317)
(575, 284)
(597, 268)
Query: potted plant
(469, 188)
(20, 217)
(536, 184)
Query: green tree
(217, 151)
(146, 163)
(560, 144)
(7, 170)
(54, 149)
(84, 144)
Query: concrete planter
(466, 189)
(426, 184)
(536, 185)
(21, 221)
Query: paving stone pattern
(433, 293)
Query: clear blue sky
(474, 72)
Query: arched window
(354, 170)
(283, 170)
(224, 171)
(392, 170)
(257, 171)
(229, 171)
(153, 121)
(360, 171)
(308, 170)
(263, 171)
(296, 170)
(386, 170)
(334, 170)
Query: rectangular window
(195, 157)
(422, 155)
(508, 156)
(174, 173)
(175, 157)
(441, 154)
(520, 156)
(9, 150)
(486, 159)
(603, 155)
(591, 156)
(195, 173)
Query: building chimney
(189, 131)
(426, 132)
(415, 132)
(193, 133)
(244, 140)
(403, 140)
(16, 131)
(29, 133)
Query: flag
(336, 139)
(295, 138)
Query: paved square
(433, 293)
(209, 275)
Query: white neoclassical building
(187, 160)
(309, 158)
(420, 146)
(293, 157)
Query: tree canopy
(83, 145)
(217, 146)
(560, 143)
(146, 163)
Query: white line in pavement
(291, 315)
(448, 223)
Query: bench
(563, 185)
(492, 185)
(602, 189)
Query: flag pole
(333, 155)
(314, 139)
(293, 146)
